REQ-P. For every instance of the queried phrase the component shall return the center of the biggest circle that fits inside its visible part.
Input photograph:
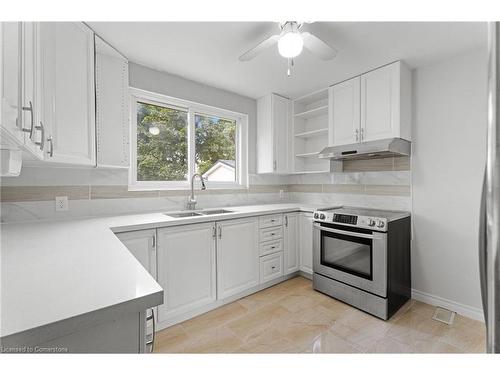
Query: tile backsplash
(378, 183)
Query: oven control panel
(375, 223)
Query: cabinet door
(30, 90)
(68, 111)
(186, 268)
(10, 48)
(112, 110)
(273, 134)
(142, 245)
(237, 256)
(265, 136)
(380, 103)
(281, 125)
(292, 238)
(345, 112)
(306, 242)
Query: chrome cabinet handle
(31, 130)
(214, 232)
(51, 150)
(356, 134)
(220, 232)
(152, 341)
(286, 220)
(42, 142)
(362, 135)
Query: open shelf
(318, 111)
(310, 129)
(312, 133)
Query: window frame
(192, 108)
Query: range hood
(367, 150)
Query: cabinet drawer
(270, 247)
(270, 220)
(269, 234)
(271, 267)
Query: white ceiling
(208, 52)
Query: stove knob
(316, 215)
(322, 217)
(380, 224)
(371, 222)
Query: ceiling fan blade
(318, 47)
(250, 54)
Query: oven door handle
(345, 232)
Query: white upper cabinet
(67, 91)
(375, 105)
(112, 106)
(19, 87)
(30, 93)
(237, 256)
(345, 103)
(273, 134)
(10, 58)
(385, 103)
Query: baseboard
(459, 308)
(305, 274)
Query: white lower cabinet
(186, 268)
(292, 238)
(237, 256)
(271, 267)
(306, 242)
(142, 245)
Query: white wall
(168, 84)
(448, 159)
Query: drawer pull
(273, 267)
(273, 247)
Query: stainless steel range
(362, 257)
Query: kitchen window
(172, 139)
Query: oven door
(353, 256)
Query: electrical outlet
(62, 203)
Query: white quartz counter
(53, 271)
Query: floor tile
(291, 317)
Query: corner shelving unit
(310, 132)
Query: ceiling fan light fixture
(290, 44)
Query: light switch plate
(62, 203)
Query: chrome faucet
(191, 204)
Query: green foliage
(164, 157)
(161, 157)
(215, 140)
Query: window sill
(188, 187)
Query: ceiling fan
(291, 41)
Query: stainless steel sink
(184, 214)
(197, 213)
(216, 212)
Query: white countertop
(52, 271)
